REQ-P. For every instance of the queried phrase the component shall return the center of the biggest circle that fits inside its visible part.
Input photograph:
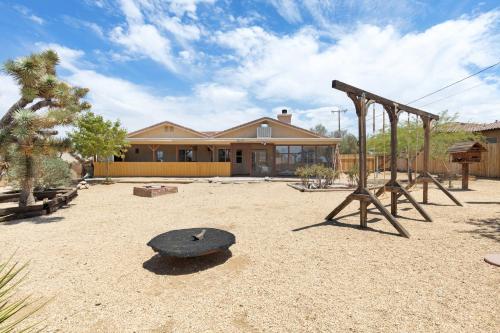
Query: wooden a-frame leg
(363, 211)
(414, 203)
(441, 187)
(376, 202)
(339, 208)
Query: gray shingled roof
(462, 147)
(473, 127)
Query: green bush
(51, 172)
(353, 175)
(316, 175)
(54, 173)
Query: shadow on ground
(336, 223)
(35, 220)
(488, 227)
(483, 202)
(183, 266)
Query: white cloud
(298, 69)
(145, 40)
(149, 25)
(92, 26)
(288, 9)
(209, 106)
(9, 92)
(26, 12)
(188, 7)
(183, 32)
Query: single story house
(263, 147)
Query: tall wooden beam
(427, 146)
(339, 85)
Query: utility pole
(337, 162)
(338, 113)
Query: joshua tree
(27, 128)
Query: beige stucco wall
(162, 132)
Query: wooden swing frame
(362, 99)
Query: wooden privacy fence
(163, 169)
(350, 160)
(488, 167)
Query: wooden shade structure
(465, 153)
(362, 99)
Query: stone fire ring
(194, 242)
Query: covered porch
(232, 159)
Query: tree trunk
(26, 197)
(107, 170)
(7, 117)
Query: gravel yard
(288, 272)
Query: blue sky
(211, 64)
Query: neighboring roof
(163, 123)
(467, 146)
(473, 127)
(267, 119)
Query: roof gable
(166, 129)
(279, 129)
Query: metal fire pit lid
(191, 242)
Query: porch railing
(163, 169)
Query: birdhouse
(465, 153)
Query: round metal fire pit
(192, 242)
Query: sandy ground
(288, 272)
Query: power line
(452, 84)
(457, 93)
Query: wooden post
(425, 168)
(393, 118)
(465, 176)
(154, 148)
(360, 104)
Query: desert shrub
(353, 174)
(305, 173)
(55, 172)
(51, 172)
(316, 175)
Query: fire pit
(151, 191)
(195, 242)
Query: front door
(260, 163)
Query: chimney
(285, 117)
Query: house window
(186, 155)
(160, 156)
(223, 155)
(239, 156)
(309, 154)
(324, 155)
(288, 158)
(137, 150)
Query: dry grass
(289, 271)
